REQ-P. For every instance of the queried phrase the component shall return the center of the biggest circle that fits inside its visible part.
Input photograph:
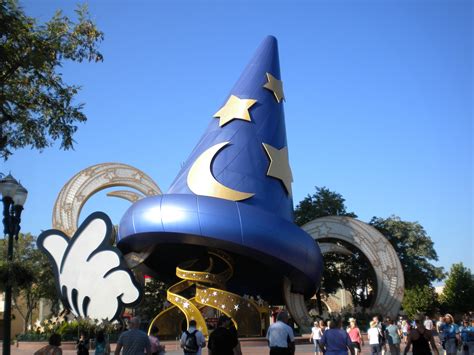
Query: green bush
(69, 330)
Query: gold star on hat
(276, 86)
(279, 167)
(234, 108)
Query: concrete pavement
(254, 347)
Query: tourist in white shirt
(373, 334)
(316, 334)
(428, 323)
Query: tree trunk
(26, 321)
(30, 306)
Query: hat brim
(179, 227)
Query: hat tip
(272, 39)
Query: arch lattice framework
(377, 249)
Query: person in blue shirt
(280, 337)
(450, 335)
(335, 340)
(467, 337)
(463, 330)
(392, 334)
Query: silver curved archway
(377, 249)
(93, 179)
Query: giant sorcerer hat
(234, 194)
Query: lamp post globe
(8, 186)
(20, 195)
(13, 197)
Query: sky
(378, 102)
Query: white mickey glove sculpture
(92, 280)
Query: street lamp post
(13, 198)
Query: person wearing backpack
(192, 340)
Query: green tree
(414, 248)
(154, 299)
(419, 300)
(323, 202)
(458, 292)
(30, 275)
(36, 106)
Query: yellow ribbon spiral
(245, 313)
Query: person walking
(464, 334)
(315, 337)
(469, 342)
(222, 341)
(428, 323)
(82, 345)
(355, 336)
(392, 334)
(133, 341)
(336, 341)
(381, 327)
(156, 347)
(450, 335)
(233, 330)
(192, 340)
(53, 347)
(405, 329)
(440, 324)
(102, 346)
(280, 337)
(374, 337)
(421, 339)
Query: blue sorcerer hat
(233, 193)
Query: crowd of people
(420, 336)
(132, 341)
(222, 341)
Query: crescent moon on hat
(202, 182)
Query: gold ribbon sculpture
(246, 314)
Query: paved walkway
(253, 348)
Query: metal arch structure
(377, 249)
(93, 179)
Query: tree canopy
(323, 202)
(36, 106)
(419, 300)
(154, 299)
(414, 248)
(458, 292)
